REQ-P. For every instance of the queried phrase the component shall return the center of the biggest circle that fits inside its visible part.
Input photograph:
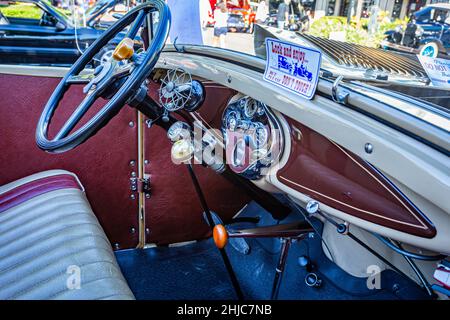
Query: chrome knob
(312, 207)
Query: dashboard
(282, 155)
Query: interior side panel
(102, 163)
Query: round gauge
(231, 121)
(260, 135)
(250, 108)
(261, 110)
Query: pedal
(239, 244)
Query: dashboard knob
(182, 151)
(179, 130)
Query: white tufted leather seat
(48, 236)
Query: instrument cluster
(252, 137)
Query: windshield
(82, 14)
(351, 45)
(371, 45)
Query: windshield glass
(361, 42)
(351, 44)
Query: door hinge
(140, 185)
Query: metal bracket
(178, 48)
(339, 97)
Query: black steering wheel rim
(127, 90)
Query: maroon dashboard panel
(216, 100)
(102, 163)
(334, 176)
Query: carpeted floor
(196, 271)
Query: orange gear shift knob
(220, 236)
(124, 50)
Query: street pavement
(237, 41)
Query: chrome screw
(147, 195)
(132, 197)
(133, 174)
(116, 246)
(133, 230)
(132, 163)
(147, 230)
(146, 161)
(368, 147)
(131, 124)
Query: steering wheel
(115, 80)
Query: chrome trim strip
(37, 71)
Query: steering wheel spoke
(76, 116)
(134, 28)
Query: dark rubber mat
(196, 271)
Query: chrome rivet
(147, 230)
(229, 79)
(116, 246)
(133, 230)
(133, 174)
(132, 163)
(146, 161)
(131, 124)
(312, 207)
(132, 197)
(368, 147)
(147, 195)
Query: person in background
(185, 27)
(283, 14)
(205, 11)
(221, 25)
(262, 12)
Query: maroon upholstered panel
(102, 163)
(327, 172)
(34, 188)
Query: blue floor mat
(196, 271)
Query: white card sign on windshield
(437, 69)
(293, 67)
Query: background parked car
(427, 31)
(242, 16)
(35, 32)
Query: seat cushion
(52, 245)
